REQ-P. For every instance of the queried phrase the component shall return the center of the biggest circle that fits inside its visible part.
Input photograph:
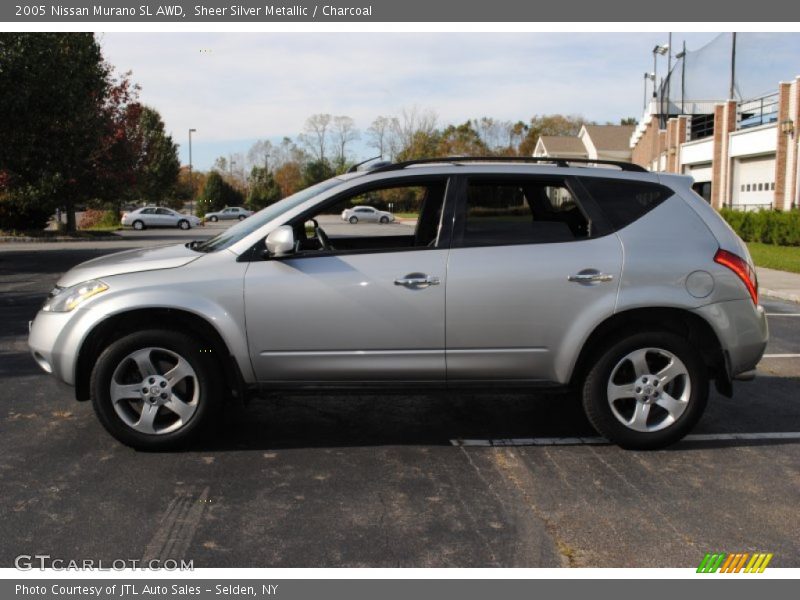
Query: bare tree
(413, 122)
(381, 136)
(315, 134)
(260, 154)
(343, 131)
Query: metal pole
(191, 178)
(733, 67)
(683, 79)
(669, 70)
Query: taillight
(742, 269)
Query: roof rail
(557, 160)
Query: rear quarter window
(623, 202)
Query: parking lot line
(783, 314)
(781, 356)
(599, 441)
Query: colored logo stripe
(734, 563)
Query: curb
(788, 296)
(44, 240)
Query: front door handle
(590, 276)
(417, 280)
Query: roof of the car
(497, 167)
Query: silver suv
(622, 284)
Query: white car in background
(230, 212)
(367, 214)
(157, 216)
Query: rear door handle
(417, 280)
(590, 277)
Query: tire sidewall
(353, 220)
(595, 394)
(205, 369)
(213, 219)
(140, 225)
(183, 224)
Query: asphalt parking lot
(323, 481)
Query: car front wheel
(384, 220)
(646, 391)
(155, 389)
(183, 224)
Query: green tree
(217, 194)
(53, 87)
(264, 190)
(158, 164)
(316, 171)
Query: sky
(236, 88)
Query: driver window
(382, 218)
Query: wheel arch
(679, 321)
(123, 323)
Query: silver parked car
(228, 213)
(156, 216)
(366, 214)
(619, 283)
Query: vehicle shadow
(306, 421)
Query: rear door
(529, 275)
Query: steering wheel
(323, 238)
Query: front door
(354, 304)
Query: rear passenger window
(521, 212)
(625, 201)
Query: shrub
(98, 219)
(780, 228)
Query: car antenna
(354, 168)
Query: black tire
(213, 219)
(353, 220)
(183, 224)
(595, 390)
(139, 225)
(208, 375)
(242, 217)
(384, 220)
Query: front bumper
(52, 344)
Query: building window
(742, 187)
(772, 186)
(748, 187)
(760, 189)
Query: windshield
(244, 228)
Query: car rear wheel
(384, 220)
(183, 224)
(646, 391)
(353, 220)
(138, 225)
(155, 389)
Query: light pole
(647, 77)
(662, 50)
(191, 179)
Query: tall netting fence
(751, 64)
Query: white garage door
(701, 172)
(753, 182)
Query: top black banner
(375, 11)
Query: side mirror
(281, 241)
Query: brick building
(741, 154)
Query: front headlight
(65, 299)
